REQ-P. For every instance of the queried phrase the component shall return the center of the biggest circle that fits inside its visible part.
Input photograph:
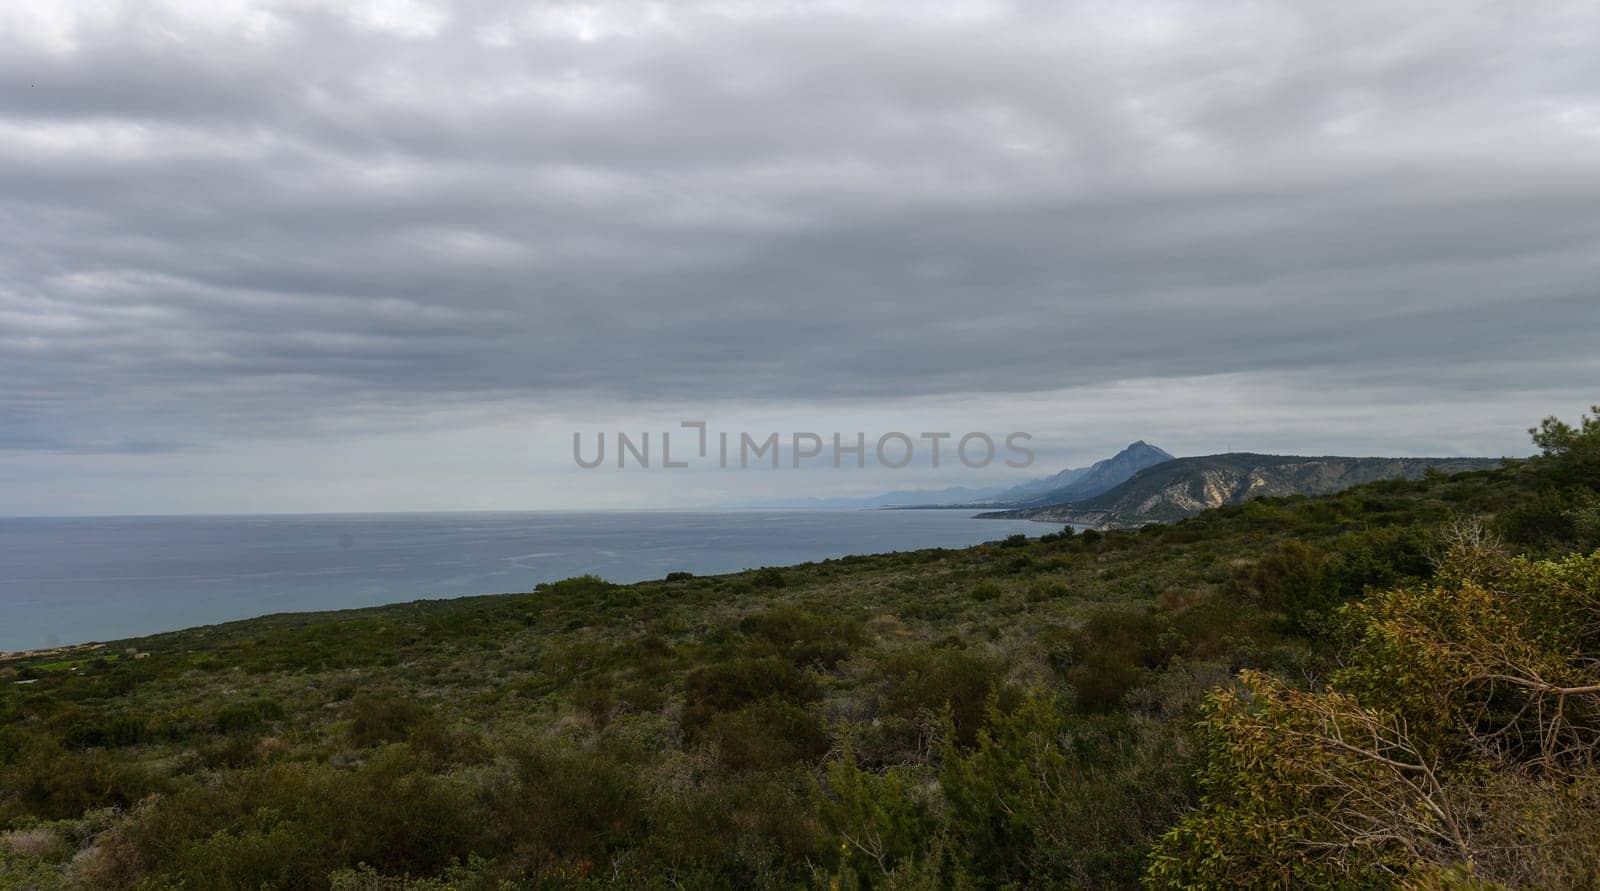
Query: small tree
(1571, 454)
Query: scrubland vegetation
(1398, 685)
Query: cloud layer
(230, 224)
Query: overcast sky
(390, 255)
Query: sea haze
(70, 580)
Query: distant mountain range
(1145, 484)
(1182, 487)
(953, 496)
(1077, 484)
(1072, 484)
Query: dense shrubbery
(1308, 583)
(725, 686)
(1414, 707)
(1111, 653)
(923, 683)
(1468, 713)
(801, 637)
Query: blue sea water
(71, 580)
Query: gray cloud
(222, 223)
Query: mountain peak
(1086, 482)
(1140, 445)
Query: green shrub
(1022, 563)
(1543, 519)
(1040, 592)
(1065, 534)
(1463, 717)
(579, 589)
(1047, 799)
(384, 718)
(48, 782)
(291, 824)
(923, 682)
(1101, 681)
(1113, 652)
(569, 804)
(249, 715)
(436, 746)
(767, 735)
(725, 686)
(1288, 577)
(1309, 583)
(86, 731)
(983, 592)
(21, 871)
(801, 637)
(768, 578)
(882, 820)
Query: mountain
(1101, 476)
(952, 495)
(1072, 484)
(1183, 487)
(1028, 491)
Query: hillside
(1018, 714)
(1183, 487)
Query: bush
(1542, 519)
(983, 592)
(39, 842)
(380, 719)
(1308, 584)
(767, 735)
(290, 825)
(1047, 590)
(88, 730)
(1287, 578)
(1464, 716)
(1113, 652)
(46, 781)
(801, 637)
(928, 681)
(583, 588)
(883, 820)
(568, 804)
(249, 715)
(1047, 799)
(768, 578)
(725, 686)
(1065, 534)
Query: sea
(79, 579)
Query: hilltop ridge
(1183, 487)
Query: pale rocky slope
(1185, 486)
